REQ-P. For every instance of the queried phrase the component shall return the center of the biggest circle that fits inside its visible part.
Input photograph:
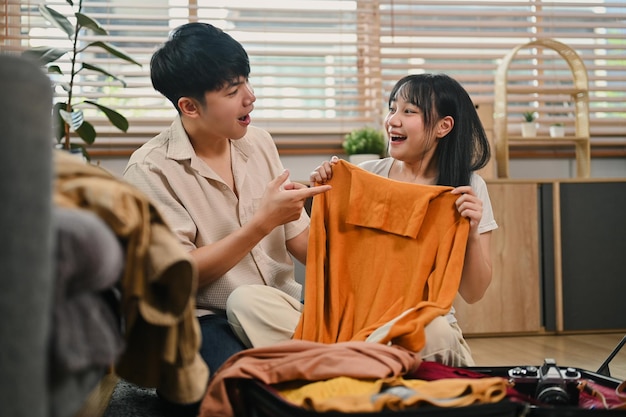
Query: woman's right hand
(323, 173)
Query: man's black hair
(197, 58)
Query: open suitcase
(561, 394)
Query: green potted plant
(364, 143)
(557, 130)
(67, 115)
(529, 127)
(529, 116)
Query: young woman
(436, 138)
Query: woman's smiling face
(408, 137)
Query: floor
(586, 351)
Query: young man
(219, 182)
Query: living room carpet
(129, 400)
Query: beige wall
(300, 166)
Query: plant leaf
(58, 124)
(64, 86)
(88, 22)
(57, 19)
(114, 117)
(75, 119)
(70, 2)
(54, 69)
(112, 50)
(87, 132)
(101, 71)
(44, 54)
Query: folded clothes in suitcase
(542, 391)
(261, 400)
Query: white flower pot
(529, 129)
(356, 159)
(557, 131)
(74, 152)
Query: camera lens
(554, 395)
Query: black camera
(548, 384)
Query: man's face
(226, 113)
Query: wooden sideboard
(559, 259)
(512, 302)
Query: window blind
(321, 68)
(468, 39)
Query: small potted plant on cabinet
(557, 130)
(364, 144)
(529, 127)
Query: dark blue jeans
(219, 342)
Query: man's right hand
(283, 201)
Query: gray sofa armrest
(26, 248)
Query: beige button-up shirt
(201, 209)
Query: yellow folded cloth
(350, 395)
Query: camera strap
(597, 396)
(621, 393)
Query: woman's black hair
(197, 58)
(465, 148)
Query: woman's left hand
(469, 205)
